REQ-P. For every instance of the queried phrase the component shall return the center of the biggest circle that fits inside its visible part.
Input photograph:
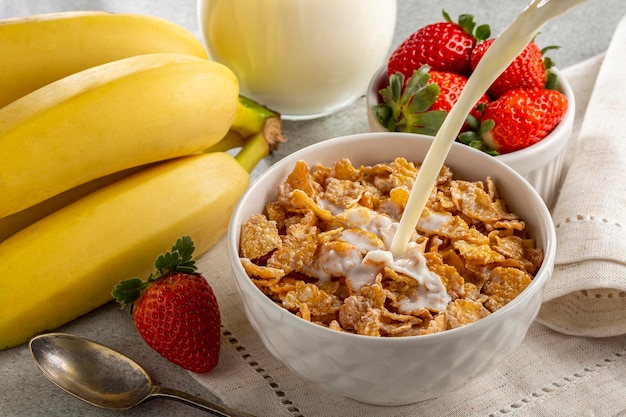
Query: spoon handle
(198, 402)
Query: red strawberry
(444, 46)
(526, 71)
(175, 310)
(520, 118)
(450, 87)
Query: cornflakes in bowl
(309, 246)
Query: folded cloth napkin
(553, 372)
(587, 293)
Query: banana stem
(253, 151)
(256, 129)
(251, 117)
(260, 144)
(232, 140)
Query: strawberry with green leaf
(517, 119)
(444, 46)
(175, 310)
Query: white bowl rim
(542, 273)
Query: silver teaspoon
(104, 377)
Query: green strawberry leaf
(547, 61)
(482, 32)
(427, 123)
(549, 48)
(473, 140)
(383, 115)
(472, 122)
(405, 108)
(468, 137)
(127, 291)
(178, 259)
(486, 126)
(551, 81)
(423, 99)
(466, 22)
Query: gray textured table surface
(582, 33)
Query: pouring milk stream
(497, 58)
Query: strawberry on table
(520, 118)
(444, 46)
(175, 310)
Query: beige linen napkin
(551, 374)
(587, 294)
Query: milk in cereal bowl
(309, 246)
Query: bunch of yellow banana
(37, 50)
(109, 151)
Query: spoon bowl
(104, 377)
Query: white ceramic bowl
(394, 371)
(540, 163)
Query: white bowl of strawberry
(524, 119)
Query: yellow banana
(15, 222)
(68, 263)
(263, 126)
(108, 118)
(40, 49)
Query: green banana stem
(232, 140)
(252, 118)
(253, 151)
(256, 129)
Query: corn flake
(461, 312)
(297, 250)
(259, 237)
(317, 301)
(504, 285)
(261, 271)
